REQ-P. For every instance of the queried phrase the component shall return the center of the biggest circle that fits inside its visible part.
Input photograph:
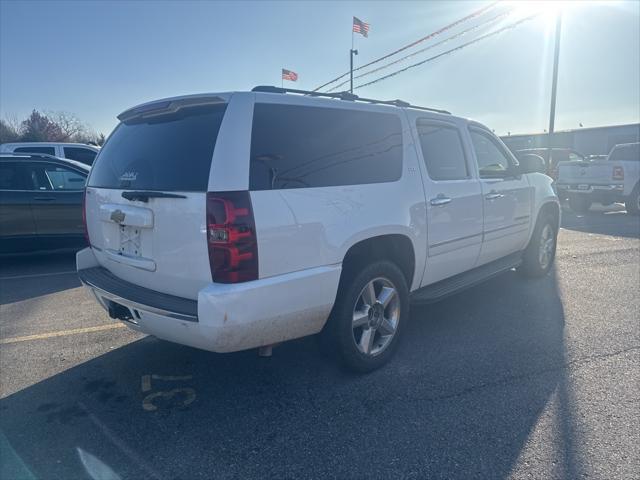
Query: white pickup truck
(239, 220)
(615, 179)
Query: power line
(476, 40)
(486, 23)
(420, 40)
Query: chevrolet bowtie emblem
(118, 216)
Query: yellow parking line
(36, 275)
(61, 333)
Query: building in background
(589, 141)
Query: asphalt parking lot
(514, 378)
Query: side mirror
(531, 163)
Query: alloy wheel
(547, 244)
(375, 316)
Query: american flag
(289, 75)
(360, 27)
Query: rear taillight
(231, 237)
(84, 217)
(618, 173)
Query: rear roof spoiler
(164, 107)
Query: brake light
(231, 237)
(618, 173)
(84, 217)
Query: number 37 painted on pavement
(187, 395)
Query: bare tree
(13, 122)
(8, 133)
(69, 124)
(48, 127)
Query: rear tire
(368, 318)
(632, 202)
(541, 252)
(579, 204)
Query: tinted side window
(492, 160)
(61, 178)
(297, 147)
(45, 150)
(36, 177)
(83, 155)
(167, 152)
(13, 177)
(442, 151)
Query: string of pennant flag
(363, 28)
(490, 21)
(431, 35)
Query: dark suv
(40, 203)
(552, 156)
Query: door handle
(440, 200)
(45, 199)
(493, 195)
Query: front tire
(579, 204)
(541, 251)
(368, 317)
(632, 202)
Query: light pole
(352, 52)
(554, 87)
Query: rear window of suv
(170, 152)
(297, 147)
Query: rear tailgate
(146, 196)
(160, 245)
(585, 173)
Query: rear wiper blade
(145, 196)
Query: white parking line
(35, 275)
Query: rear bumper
(109, 288)
(226, 317)
(598, 193)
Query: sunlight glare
(546, 10)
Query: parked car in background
(552, 156)
(40, 203)
(79, 152)
(615, 179)
(322, 215)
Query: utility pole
(352, 52)
(554, 87)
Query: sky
(95, 58)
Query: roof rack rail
(29, 154)
(344, 96)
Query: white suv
(79, 152)
(238, 220)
